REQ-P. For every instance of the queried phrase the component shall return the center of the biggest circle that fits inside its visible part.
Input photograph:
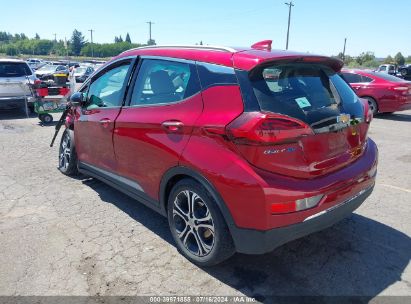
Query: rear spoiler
(250, 59)
(333, 63)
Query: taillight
(257, 127)
(403, 90)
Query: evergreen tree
(77, 42)
(128, 39)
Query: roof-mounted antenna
(264, 45)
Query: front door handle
(105, 122)
(172, 125)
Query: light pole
(149, 31)
(343, 54)
(92, 49)
(290, 5)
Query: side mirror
(77, 99)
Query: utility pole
(55, 37)
(149, 31)
(345, 43)
(290, 5)
(92, 49)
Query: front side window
(107, 89)
(163, 81)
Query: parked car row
(45, 69)
(403, 71)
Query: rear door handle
(105, 122)
(172, 125)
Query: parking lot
(64, 236)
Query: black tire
(404, 72)
(67, 154)
(201, 245)
(47, 118)
(373, 105)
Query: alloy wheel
(193, 223)
(372, 105)
(65, 151)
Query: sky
(317, 26)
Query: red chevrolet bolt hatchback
(242, 149)
(385, 93)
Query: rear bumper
(251, 241)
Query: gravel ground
(64, 236)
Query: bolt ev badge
(275, 151)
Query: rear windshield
(386, 77)
(313, 93)
(14, 69)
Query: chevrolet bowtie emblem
(344, 118)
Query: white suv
(16, 81)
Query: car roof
(241, 58)
(11, 60)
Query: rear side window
(14, 69)
(163, 81)
(355, 78)
(351, 77)
(366, 79)
(312, 93)
(387, 77)
(213, 74)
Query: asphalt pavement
(65, 236)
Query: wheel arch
(175, 174)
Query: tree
(408, 59)
(399, 59)
(365, 57)
(128, 39)
(37, 36)
(77, 42)
(388, 59)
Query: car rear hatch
(309, 121)
(14, 79)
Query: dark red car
(235, 160)
(385, 93)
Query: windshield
(48, 68)
(14, 69)
(313, 93)
(386, 77)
